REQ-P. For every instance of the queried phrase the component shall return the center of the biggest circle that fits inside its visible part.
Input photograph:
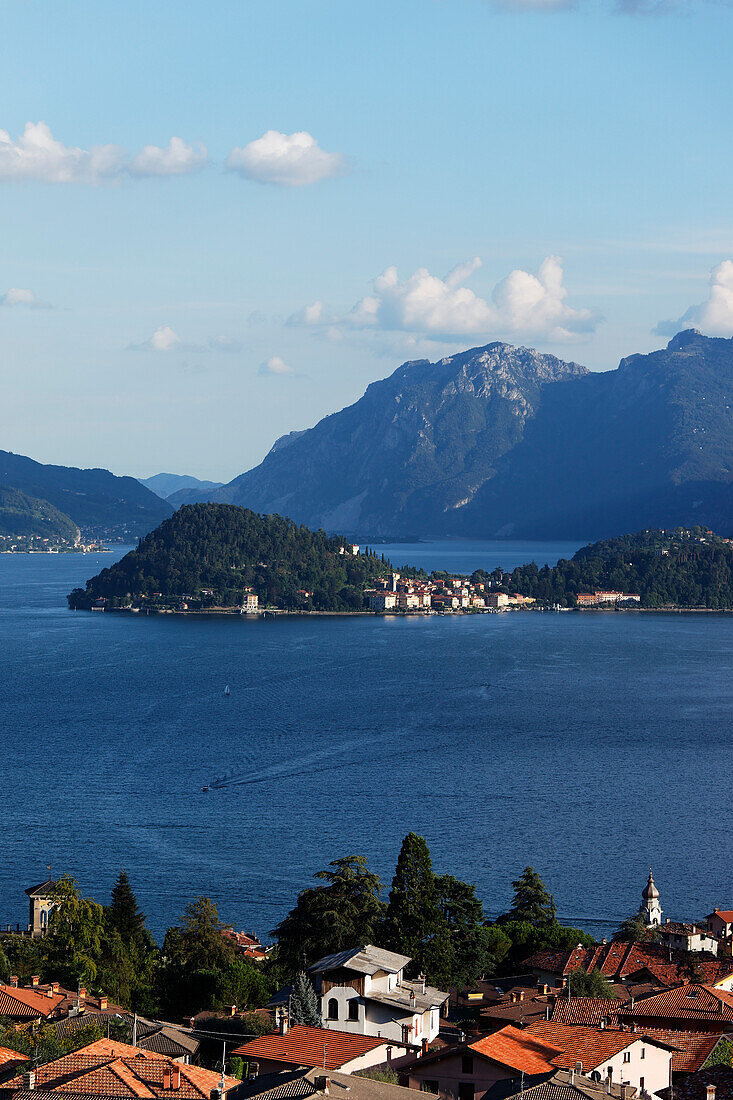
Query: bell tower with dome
(650, 909)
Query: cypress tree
(123, 913)
(413, 917)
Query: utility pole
(134, 1030)
(223, 1066)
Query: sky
(221, 221)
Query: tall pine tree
(123, 913)
(413, 919)
(304, 1005)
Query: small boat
(227, 691)
(204, 788)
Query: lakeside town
(522, 1007)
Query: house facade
(364, 991)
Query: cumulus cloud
(714, 316)
(522, 304)
(166, 339)
(290, 160)
(18, 296)
(176, 159)
(37, 155)
(275, 365)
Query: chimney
(29, 1080)
(425, 1047)
(176, 1078)
(14, 980)
(82, 993)
(284, 1023)
(322, 1084)
(710, 1090)
(412, 996)
(167, 1078)
(421, 979)
(35, 980)
(55, 987)
(231, 1010)
(49, 992)
(624, 1090)
(602, 1023)
(513, 998)
(545, 988)
(103, 1002)
(521, 994)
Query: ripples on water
(590, 746)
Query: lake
(590, 746)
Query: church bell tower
(650, 909)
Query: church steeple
(651, 910)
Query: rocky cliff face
(414, 449)
(503, 441)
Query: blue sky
(178, 308)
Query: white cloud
(275, 365)
(714, 316)
(165, 339)
(37, 155)
(288, 159)
(17, 296)
(176, 159)
(522, 304)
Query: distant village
(659, 1025)
(455, 594)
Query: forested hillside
(681, 568)
(23, 515)
(227, 549)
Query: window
(353, 1009)
(643, 1052)
(627, 1056)
(333, 1009)
(641, 1084)
(429, 1086)
(467, 1063)
(465, 1091)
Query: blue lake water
(590, 746)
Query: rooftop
(590, 1045)
(364, 960)
(310, 1046)
(284, 1086)
(117, 1069)
(690, 1001)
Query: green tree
(76, 934)
(304, 1006)
(413, 917)
(532, 903)
(345, 911)
(591, 983)
(200, 944)
(4, 966)
(123, 913)
(634, 930)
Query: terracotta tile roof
(684, 1002)
(724, 914)
(517, 1049)
(26, 1004)
(590, 1045)
(7, 1057)
(621, 960)
(304, 1046)
(586, 1011)
(116, 1069)
(694, 1047)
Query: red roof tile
(519, 1050)
(26, 1004)
(694, 1047)
(590, 1045)
(586, 1011)
(310, 1046)
(684, 1002)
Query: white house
(618, 1055)
(363, 990)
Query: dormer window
(333, 1008)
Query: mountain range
(96, 500)
(167, 485)
(500, 441)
